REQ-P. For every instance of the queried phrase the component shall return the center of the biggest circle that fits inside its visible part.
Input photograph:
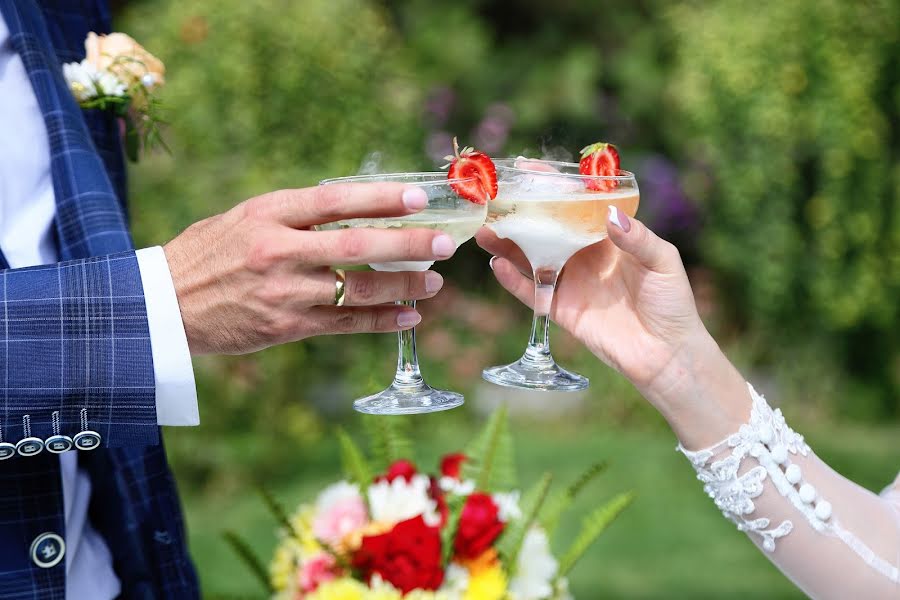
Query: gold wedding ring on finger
(340, 280)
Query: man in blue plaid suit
(95, 350)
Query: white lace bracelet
(769, 440)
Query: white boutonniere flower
(119, 75)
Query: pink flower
(316, 571)
(339, 511)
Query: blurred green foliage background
(766, 141)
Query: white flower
(452, 485)
(535, 568)
(110, 84)
(86, 82)
(400, 500)
(334, 494)
(79, 77)
(562, 589)
(456, 582)
(508, 503)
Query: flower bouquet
(461, 534)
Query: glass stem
(538, 350)
(408, 375)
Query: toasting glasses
(551, 212)
(460, 219)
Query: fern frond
(592, 526)
(275, 508)
(246, 554)
(388, 440)
(455, 506)
(490, 459)
(560, 502)
(354, 463)
(510, 543)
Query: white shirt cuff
(176, 392)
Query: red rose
(399, 468)
(452, 464)
(479, 526)
(408, 556)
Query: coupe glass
(551, 212)
(460, 219)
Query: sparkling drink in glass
(460, 219)
(551, 211)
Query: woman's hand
(629, 301)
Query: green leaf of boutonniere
(132, 139)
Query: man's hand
(258, 275)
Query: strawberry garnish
(599, 159)
(469, 164)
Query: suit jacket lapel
(90, 220)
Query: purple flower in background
(439, 105)
(492, 132)
(439, 145)
(664, 206)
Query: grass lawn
(671, 543)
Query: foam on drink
(550, 226)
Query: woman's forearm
(700, 393)
(833, 538)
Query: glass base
(410, 400)
(530, 374)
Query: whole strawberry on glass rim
(477, 172)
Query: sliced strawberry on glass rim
(477, 169)
(600, 159)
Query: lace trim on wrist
(769, 440)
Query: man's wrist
(700, 393)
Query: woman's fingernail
(408, 318)
(491, 262)
(619, 219)
(443, 246)
(433, 282)
(415, 198)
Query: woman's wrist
(700, 393)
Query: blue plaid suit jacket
(74, 336)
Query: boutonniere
(119, 75)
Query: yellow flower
(483, 562)
(425, 595)
(350, 589)
(126, 58)
(301, 527)
(284, 565)
(341, 589)
(295, 545)
(487, 584)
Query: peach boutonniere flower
(121, 76)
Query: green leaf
(132, 139)
(490, 459)
(591, 528)
(246, 554)
(561, 501)
(510, 543)
(275, 508)
(353, 462)
(455, 506)
(389, 440)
